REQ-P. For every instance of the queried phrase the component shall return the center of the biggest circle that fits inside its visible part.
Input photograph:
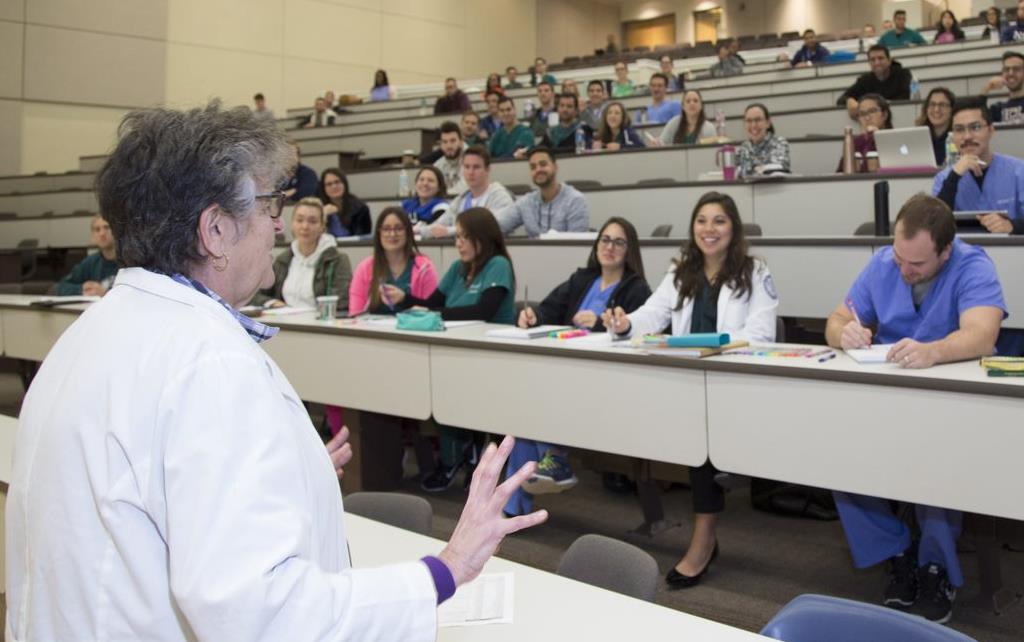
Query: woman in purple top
(874, 113)
(382, 89)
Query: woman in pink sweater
(396, 261)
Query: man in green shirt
(900, 35)
(95, 274)
(512, 139)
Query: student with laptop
(714, 286)
(937, 300)
(614, 276)
(982, 181)
(874, 114)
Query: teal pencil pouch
(420, 321)
(698, 340)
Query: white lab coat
(168, 485)
(747, 318)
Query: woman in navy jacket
(614, 277)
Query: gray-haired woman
(199, 500)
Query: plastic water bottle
(720, 123)
(403, 183)
(915, 89)
(423, 106)
(581, 140)
(952, 153)
(528, 109)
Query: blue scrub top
(664, 112)
(883, 299)
(1003, 188)
(596, 299)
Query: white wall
(69, 69)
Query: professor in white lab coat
(168, 484)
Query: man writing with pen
(981, 180)
(613, 277)
(937, 300)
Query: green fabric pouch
(420, 321)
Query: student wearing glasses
(613, 277)
(937, 114)
(874, 114)
(714, 286)
(480, 286)
(622, 86)
(763, 151)
(346, 214)
(396, 261)
(982, 180)
(1010, 111)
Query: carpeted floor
(765, 559)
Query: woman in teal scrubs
(480, 286)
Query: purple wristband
(444, 582)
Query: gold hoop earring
(221, 268)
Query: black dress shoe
(677, 580)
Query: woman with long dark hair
(382, 89)
(614, 276)
(346, 214)
(937, 113)
(615, 132)
(948, 29)
(691, 126)
(993, 24)
(481, 285)
(714, 286)
(396, 261)
(873, 113)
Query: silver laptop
(905, 149)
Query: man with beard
(552, 206)
(887, 78)
(982, 181)
(937, 300)
(1009, 111)
(562, 137)
(450, 162)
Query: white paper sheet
(873, 354)
(285, 311)
(486, 600)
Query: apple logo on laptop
(904, 151)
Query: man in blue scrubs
(982, 180)
(937, 300)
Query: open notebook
(872, 354)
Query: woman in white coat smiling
(714, 286)
(168, 484)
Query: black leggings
(708, 496)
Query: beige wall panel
(448, 11)
(141, 18)
(332, 33)
(369, 5)
(499, 33)
(54, 136)
(234, 76)
(402, 77)
(12, 10)
(422, 47)
(304, 80)
(104, 70)
(10, 137)
(247, 25)
(11, 43)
